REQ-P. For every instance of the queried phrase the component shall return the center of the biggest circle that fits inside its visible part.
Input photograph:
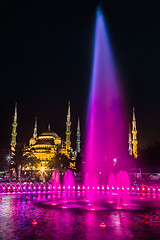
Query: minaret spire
(78, 136)
(14, 133)
(68, 130)
(130, 140)
(134, 135)
(35, 129)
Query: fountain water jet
(106, 136)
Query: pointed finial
(78, 125)
(69, 110)
(15, 114)
(35, 128)
(134, 118)
(49, 127)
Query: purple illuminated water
(106, 136)
(55, 180)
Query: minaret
(134, 135)
(14, 133)
(68, 130)
(35, 129)
(78, 137)
(130, 140)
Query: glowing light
(34, 223)
(42, 169)
(117, 188)
(133, 188)
(112, 188)
(114, 161)
(102, 187)
(143, 189)
(102, 225)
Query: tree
(59, 162)
(20, 158)
(149, 158)
(4, 158)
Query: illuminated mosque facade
(46, 145)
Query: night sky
(46, 52)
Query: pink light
(98, 188)
(112, 188)
(102, 225)
(117, 188)
(64, 207)
(153, 189)
(69, 187)
(138, 189)
(63, 187)
(143, 189)
(92, 209)
(88, 187)
(34, 223)
(148, 189)
(39, 187)
(19, 188)
(127, 188)
(74, 187)
(9, 188)
(122, 188)
(48, 187)
(13, 187)
(79, 187)
(3, 188)
(102, 187)
(29, 188)
(158, 189)
(0, 199)
(133, 188)
(107, 187)
(44, 188)
(34, 187)
(83, 187)
(93, 187)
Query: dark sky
(46, 52)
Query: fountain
(106, 182)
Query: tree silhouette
(59, 162)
